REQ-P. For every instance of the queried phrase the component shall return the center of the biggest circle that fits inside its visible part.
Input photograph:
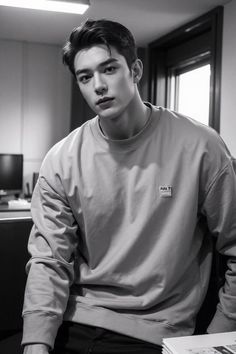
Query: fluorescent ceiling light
(49, 5)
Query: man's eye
(83, 79)
(110, 69)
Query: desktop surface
(15, 212)
(13, 215)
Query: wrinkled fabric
(121, 237)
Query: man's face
(105, 80)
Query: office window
(190, 92)
(179, 59)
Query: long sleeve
(52, 245)
(220, 210)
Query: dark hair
(103, 31)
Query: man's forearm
(36, 349)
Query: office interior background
(39, 101)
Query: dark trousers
(74, 338)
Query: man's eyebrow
(104, 63)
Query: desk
(16, 216)
(15, 227)
(17, 213)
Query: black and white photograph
(117, 176)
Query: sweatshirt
(122, 235)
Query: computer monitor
(11, 174)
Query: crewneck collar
(130, 143)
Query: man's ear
(137, 70)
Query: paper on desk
(218, 343)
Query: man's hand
(36, 349)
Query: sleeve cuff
(40, 328)
(221, 323)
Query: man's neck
(129, 123)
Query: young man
(121, 249)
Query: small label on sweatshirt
(165, 191)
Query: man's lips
(104, 99)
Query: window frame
(173, 80)
(190, 45)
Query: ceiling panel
(147, 19)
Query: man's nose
(100, 85)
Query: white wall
(228, 87)
(35, 100)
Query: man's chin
(108, 114)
